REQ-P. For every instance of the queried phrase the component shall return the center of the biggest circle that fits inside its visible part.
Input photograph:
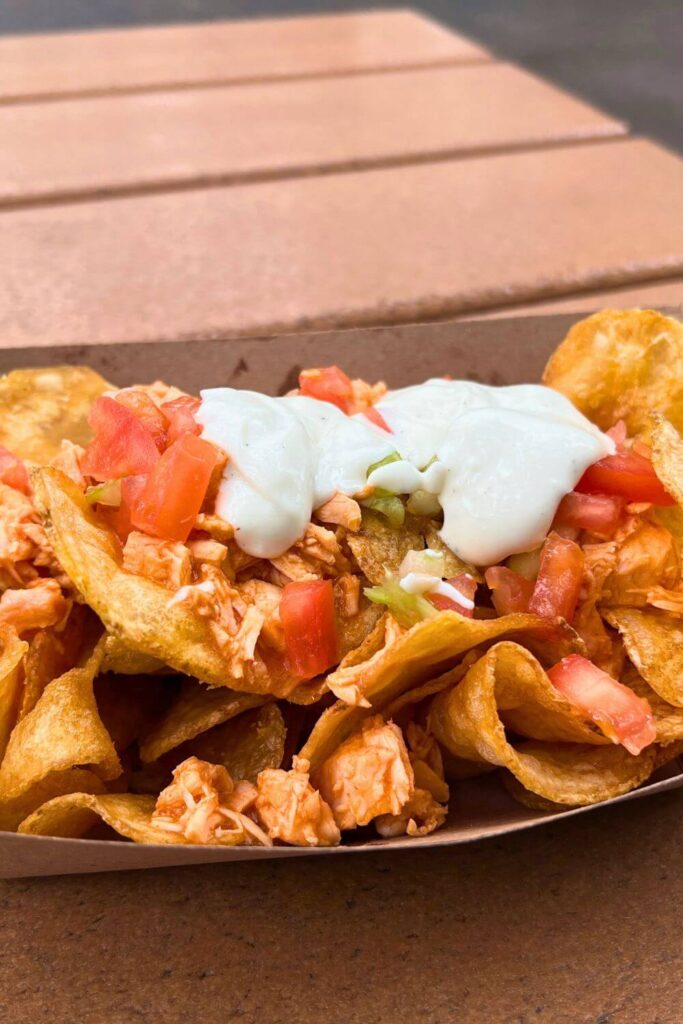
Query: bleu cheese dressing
(499, 460)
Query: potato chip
(196, 709)
(667, 455)
(40, 408)
(63, 732)
(622, 365)
(123, 660)
(51, 654)
(654, 643)
(420, 654)
(129, 705)
(668, 719)
(73, 815)
(137, 610)
(245, 745)
(378, 548)
(506, 683)
(645, 556)
(12, 651)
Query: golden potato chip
(63, 732)
(654, 643)
(137, 610)
(196, 709)
(668, 753)
(73, 815)
(124, 661)
(12, 651)
(245, 745)
(420, 654)
(51, 654)
(129, 705)
(40, 408)
(667, 455)
(378, 548)
(668, 719)
(507, 683)
(622, 365)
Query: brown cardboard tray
(495, 352)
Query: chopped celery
(422, 503)
(526, 563)
(407, 609)
(388, 505)
(386, 461)
(108, 493)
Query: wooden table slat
(383, 246)
(231, 51)
(123, 143)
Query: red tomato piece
(510, 591)
(180, 413)
(175, 489)
(328, 384)
(375, 416)
(310, 629)
(13, 472)
(465, 585)
(142, 406)
(598, 513)
(628, 474)
(618, 712)
(122, 445)
(557, 587)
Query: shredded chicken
(68, 459)
(365, 395)
(217, 528)
(165, 561)
(667, 600)
(291, 810)
(205, 549)
(347, 595)
(420, 816)
(368, 775)
(18, 538)
(347, 682)
(39, 605)
(160, 392)
(427, 761)
(205, 806)
(316, 555)
(266, 597)
(235, 624)
(645, 555)
(340, 510)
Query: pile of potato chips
(118, 707)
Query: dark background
(625, 56)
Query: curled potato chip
(63, 733)
(12, 652)
(419, 654)
(51, 654)
(668, 718)
(124, 661)
(621, 365)
(667, 455)
(378, 548)
(467, 721)
(128, 705)
(654, 643)
(137, 610)
(245, 745)
(73, 815)
(40, 408)
(196, 709)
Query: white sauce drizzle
(499, 460)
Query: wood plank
(47, 66)
(123, 143)
(410, 243)
(656, 295)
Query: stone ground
(622, 55)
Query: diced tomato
(328, 384)
(174, 489)
(628, 474)
(375, 416)
(142, 406)
(122, 444)
(557, 587)
(618, 433)
(598, 513)
(618, 712)
(465, 585)
(13, 472)
(510, 591)
(180, 414)
(310, 629)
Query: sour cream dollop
(499, 460)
